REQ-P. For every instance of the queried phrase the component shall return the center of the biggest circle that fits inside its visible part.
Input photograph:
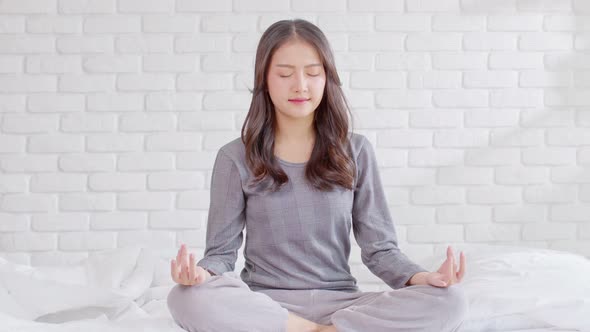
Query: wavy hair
(331, 163)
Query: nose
(300, 83)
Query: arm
(226, 219)
(373, 227)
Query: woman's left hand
(447, 274)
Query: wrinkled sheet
(509, 288)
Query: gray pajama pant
(226, 304)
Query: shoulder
(233, 152)
(359, 144)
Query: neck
(294, 130)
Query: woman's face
(296, 80)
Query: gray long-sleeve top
(299, 237)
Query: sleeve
(373, 227)
(226, 218)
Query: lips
(299, 100)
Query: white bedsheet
(510, 289)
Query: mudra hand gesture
(184, 271)
(448, 273)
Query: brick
(508, 175)
(114, 143)
(489, 41)
(87, 202)
(459, 175)
(548, 231)
(118, 221)
(87, 6)
(28, 203)
(459, 60)
(54, 183)
(87, 162)
(28, 163)
(570, 174)
(490, 79)
(404, 98)
(214, 140)
(86, 83)
(529, 22)
(53, 143)
(411, 215)
(435, 157)
(144, 44)
(318, 6)
(544, 5)
(550, 194)
(436, 119)
(142, 6)
(173, 101)
(435, 233)
(174, 142)
(113, 182)
(112, 24)
(13, 184)
(511, 137)
(108, 102)
(516, 60)
(59, 222)
(145, 81)
(175, 181)
(433, 5)
(79, 241)
(569, 136)
(88, 123)
(391, 157)
(436, 41)
(463, 214)
(461, 98)
(27, 242)
(405, 60)
(344, 23)
(194, 199)
(377, 80)
(28, 6)
(495, 118)
(28, 83)
(169, 23)
(407, 177)
(492, 233)
(203, 6)
(541, 79)
(112, 64)
(146, 122)
(435, 80)
(206, 121)
(492, 156)
(403, 22)
(520, 214)
(229, 23)
(84, 45)
(439, 195)
(546, 118)
(376, 5)
(378, 41)
(54, 25)
(404, 138)
(567, 97)
(14, 223)
(380, 119)
(545, 41)
(142, 201)
(29, 124)
(453, 22)
(460, 138)
(516, 98)
(177, 219)
(549, 156)
(49, 64)
(570, 212)
(494, 195)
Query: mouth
(299, 100)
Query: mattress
(509, 289)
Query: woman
(298, 181)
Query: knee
(456, 303)
(182, 301)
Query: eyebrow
(291, 66)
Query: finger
(462, 268)
(184, 260)
(193, 268)
(173, 270)
(178, 255)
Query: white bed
(509, 288)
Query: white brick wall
(111, 114)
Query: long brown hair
(331, 163)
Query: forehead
(296, 53)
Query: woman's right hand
(184, 271)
